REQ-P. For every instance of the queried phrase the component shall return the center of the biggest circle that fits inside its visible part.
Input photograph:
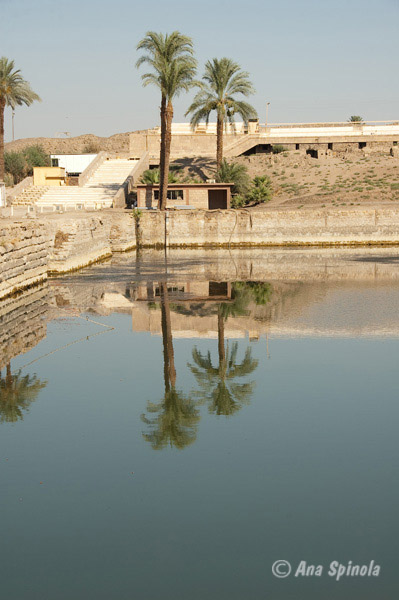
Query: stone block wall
(22, 323)
(274, 227)
(23, 254)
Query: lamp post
(267, 110)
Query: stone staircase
(98, 192)
(242, 144)
(30, 195)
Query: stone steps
(98, 192)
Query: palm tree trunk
(8, 374)
(167, 339)
(219, 142)
(221, 348)
(2, 169)
(164, 173)
(162, 150)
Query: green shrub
(277, 149)
(35, 156)
(14, 163)
(238, 201)
(261, 190)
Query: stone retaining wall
(31, 249)
(271, 227)
(22, 323)
(24, 249)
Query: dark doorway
(313, 153)
(330, 146)
(258, 149)
(362, 145)
(217, 199)
(218, 288)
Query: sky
(313, 60)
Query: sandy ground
(298, 180)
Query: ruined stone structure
(314, 138)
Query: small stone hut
(207, 196)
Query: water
(171, 428)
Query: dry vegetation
(299, 180)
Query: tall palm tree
(176, 417)
(14, 91)
(224, 79)
(171, 58)
(17, 392)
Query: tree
(35, 156)
(224, 79)
(14, 91)
(171, 58)
(17, 392)
(14, 164)
(355, 119)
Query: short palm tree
(224, 80)
(234, 173)
(14, 91)
(355, 119)
(173, 67)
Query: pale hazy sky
(313, 60)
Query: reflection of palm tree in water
(225, 397)
(17, 392)
(177, 417)
(217, 385)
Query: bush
(8, 179)
(15, 164)
(277, 149)
(91, 148)
(238, 201)
(261, 190)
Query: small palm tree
(234, 173)
(151, 177)
(355, 119)
(14, 91)
(224, 80)
(173, 67)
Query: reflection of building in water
(193, 291)
(22, 323)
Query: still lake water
(169, 428)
